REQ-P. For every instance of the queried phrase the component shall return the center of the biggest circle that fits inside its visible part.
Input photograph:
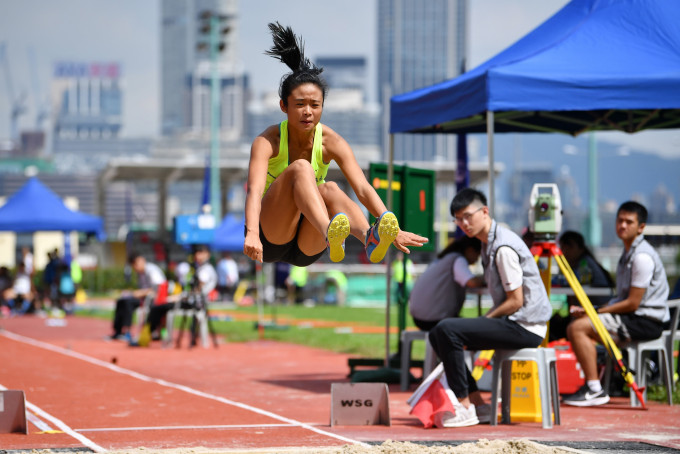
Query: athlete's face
(305, 105)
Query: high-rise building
(87, 99)
(186, 70)
(420, 44)
(344, 72)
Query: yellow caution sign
(525, 397)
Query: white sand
(389, 447)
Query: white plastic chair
(664, 345)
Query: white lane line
(131, 373)
(39, 423)
(66, 429)
(63, 427)
(216, 426)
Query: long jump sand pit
(388, 447)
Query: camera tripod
(549, 249)
(193, 305)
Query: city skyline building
(186, 70)
(347, 72)
(87, 106)
(87, 100)
(419, 44)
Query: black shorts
(289, 252)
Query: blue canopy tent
(35, 207)
(229, 234)
(595, 65)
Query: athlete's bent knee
(329, 188)
(300, 166)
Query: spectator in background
(66, 289)
(637, 313)
(5, 285)
(281, 273)
(439, 292)
(589, 273)
(402, 275)
(152, 287)
(227, 276)
(183, 274)
(296, 282)
(49, 292)
(676, 291)
(76, 273)
(27, 259)
(202, 281)
(20, 298)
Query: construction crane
(42, 105)
(18, 104)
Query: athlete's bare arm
(262, 150)
(336, 148)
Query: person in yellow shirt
(402, 275)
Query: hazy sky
(127, 31)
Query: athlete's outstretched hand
(405, 239)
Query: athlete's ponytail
(289, 49)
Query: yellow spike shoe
(338, 231)
(380, 236)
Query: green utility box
(412, 198)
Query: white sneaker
(483, 413)
(464, 417)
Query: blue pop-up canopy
(594, 65)
(35, 208)
(229, 234)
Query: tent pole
(388, 257)
(489, 144)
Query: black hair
(459, 245)
(466, 197)
(290, 49)
(574, 238)
(134, 255)
(634, 207)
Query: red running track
(259, 395)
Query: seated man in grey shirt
(637, 313)
(518, 318)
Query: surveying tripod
(549, 249)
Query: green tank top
(278, 163)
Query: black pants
(424, 325)
(452, 334)
(122, 317)
(156, 314)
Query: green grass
(331, 338)
(328, 338)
